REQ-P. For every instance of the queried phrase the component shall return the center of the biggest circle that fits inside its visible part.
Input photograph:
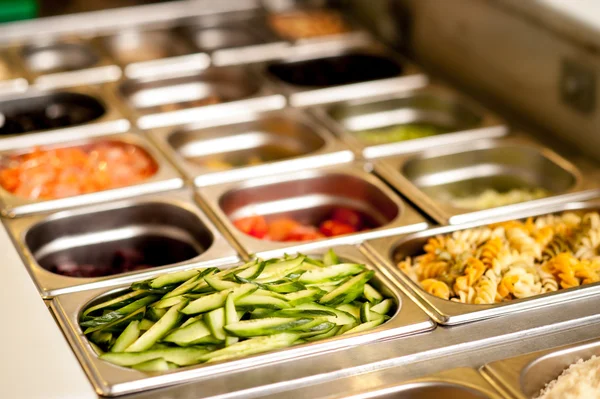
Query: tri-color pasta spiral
(510, 260)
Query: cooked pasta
(510, 260)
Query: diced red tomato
(256, 226)
(280, 229)
(332, 228)
(304, 233)
(347, 216)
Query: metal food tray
(409, 76)
(245, 90)
(166, 177)
(384, 252)
(297, 137)
(523, 377)
(112, 380)
(433, 104)
(11, 80)
(309, 195)
(513, 162)
(95, 231)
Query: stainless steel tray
(384, 252)
(308, 195)
(407, 76)
(112, 380)
(242, 88)
(59, 62)
(523, 377)
(433, 104)
(11, 79)
(88, 235)
(510, 162)
(110, 122)
(166, 178)
(288, 140)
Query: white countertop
(37, 361)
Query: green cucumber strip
(285, 287)
(252, 346)
(119, 301)
(145, 324)
(308, 295)
(145, 286)
(327, 334)
(231, 317)
(259, 313)
(168, 302)
(183, 288)
(190, 321)
(173, 278)
(329, 273)
(96, 348)
(383, 307)
(215, 320)
(267, 326)
(261, 301)
(178, 356)
(351, 309)
(372, 294)
(217, 300)
(339, 316)
(158, 330)
(102, 338)
(127, 337)
(365, 312)
(154, 314)
(316, 327)
(275, 271)
(252, 272)
(158, 364)
(298, 312)
(314, 262)
(330, 258)
(184, 336)
(348, 291)
(138, 314)
(366, 326)
(272, 294)
(347, 327)
(219, 284)
(119, 313)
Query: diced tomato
(256, 226)
(279, 229)
(347, 216)
(304, 233)
(332, 228)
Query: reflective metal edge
(166, 178)
(13, 81)
(111, 122)
(112, 380)
(586, 184)
(411, 78)
(446, 312)
(491, 125)
(50, 284)
(266, 99)
(408, 219)
(333, 151)
(509, 373)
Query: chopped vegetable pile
(303, 24)
(64, 172)
(341, 221)
(208, 315)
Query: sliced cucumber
(158, 364)
(215, 320)
(102, 338)
(252, 272)
(365, 312)
(136, 315)
(183, 288)
(231, 317)
(330, 258)
(334, 272)
(219, 284)
(252, 346)
(297, 312)
(117, 302)
(179, 356)
(275, 271)
(217, 300)
(347, 327)
(339, 316)
(190, 334)
(261, 301)
(366, 326)
(272, 294)
(266, 326)
(127, 337)
(155, 314)
(372, 294)
(119, 313)
(173, 278)
(260, 313)
(383, 307)
(314, 327)
(168, 302)
(351, 309)
(348, 291)
(326, 334)
(158, 330)
(308, 295)
(145, 324)
(96, 348)
(285, 287)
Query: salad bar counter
(242, 199)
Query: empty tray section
(58, 57)
(132, 46)
(223, 37)
(119, 240)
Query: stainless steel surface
(11, 80)
(112, 380)
(524, 376)
(111, 121)
(514, 162)
(284, 140)
(169, 223)
(388, 250)
(166, 178)
(161, 102)
(332, 56)
(308, 196)
(434, 105)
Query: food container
(308, 197)
(146, 53)
(388, 250)
(10, 79)
(166, 178)
(344, 73)
(280, 141)
(212, 94)
(76, 112)
(427, 177)
(167, 230)
(433, 107)
(523, 377)
(113, 380)
(65, 63)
